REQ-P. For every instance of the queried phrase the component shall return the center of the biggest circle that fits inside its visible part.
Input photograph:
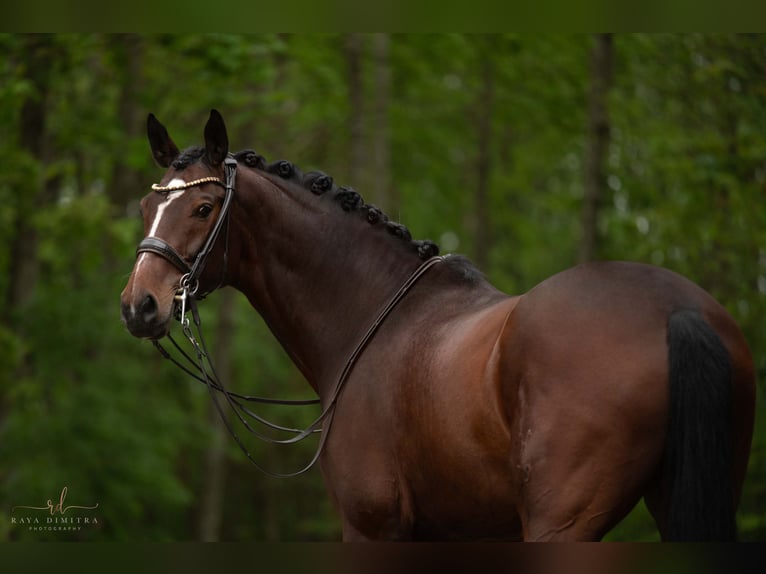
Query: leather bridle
(201, 367)
(190, 280)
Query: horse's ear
(216, 140)
(164, 150)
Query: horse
(459, 412)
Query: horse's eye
(203, 211)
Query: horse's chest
(431, 495)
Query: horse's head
(180, 214)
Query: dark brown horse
(467, 413)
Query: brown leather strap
(159, 247)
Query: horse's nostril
(125, 312)
(148, 309)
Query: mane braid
(319, 183)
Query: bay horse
(466, 413)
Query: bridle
(190, 279)
(201, 366)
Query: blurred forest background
(526, 153)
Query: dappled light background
(526, 153)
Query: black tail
(699, 448)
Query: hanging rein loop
(207, 374)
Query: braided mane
(319, 183)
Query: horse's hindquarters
(589, 349)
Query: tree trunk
(125, 187)
(485, 104)
(211, 504)
(39, 190)
(601, 61)
(357, 152)
(380, 168)
(274, 122)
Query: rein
(207, 375)
(201, 368)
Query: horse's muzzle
(142, 318)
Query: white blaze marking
(172, 196)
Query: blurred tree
(598, 143)
(128, 55)
(356, 97)
(214, 470)
(485, 102)
(381, 192)
(37, 189)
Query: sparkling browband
(163, 188)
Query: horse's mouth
(149, 332)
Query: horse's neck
(318, 276)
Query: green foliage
(84, 405)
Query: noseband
(190, 279)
